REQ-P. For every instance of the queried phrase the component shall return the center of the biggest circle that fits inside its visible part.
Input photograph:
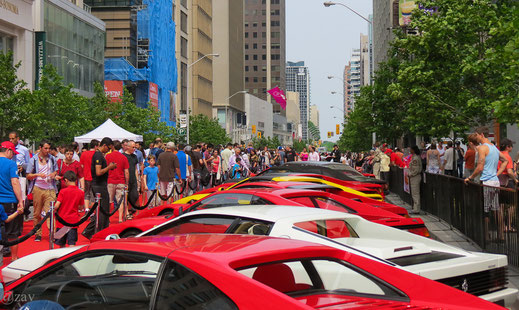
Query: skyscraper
(264, 42)
(355, 76)
(347, 89)
(298, 80)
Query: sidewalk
(442, 231)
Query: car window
(195, 224)
(329, 228)
(246, 226)
(225, 200)
(114, 280)
(319, 276)
(331, 204)
(181, 288)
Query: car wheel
(166, 212)
(130, 233)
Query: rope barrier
(147, 203)
(30, 234)
(183, 188)
(116, 207)
(81, 221)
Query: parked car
(224, 272)
(281, 196)
(481, 274)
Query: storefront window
(6, 43)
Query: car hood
(36, 260)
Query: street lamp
(330, 3)
(332, 107)
(188, 79)
(334, 93)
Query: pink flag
(278, 95)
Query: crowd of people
(120, 173)
(126, 173)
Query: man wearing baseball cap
(10, 193)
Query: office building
(347, 89)
(260, 116)
(264, 43)
(370, 42)
(228, 76)
(355, 76)
(293, 114)
(141, 51)
(314, 115)
(385, 17)
(365, 71)
(72, 40)
(298, 80)
(16, 35)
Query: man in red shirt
(507, 178)
(395, 159)
(69, 164)
(118, 177)
(70, 201)
(86, 163)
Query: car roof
(243, 250)
(272, 213)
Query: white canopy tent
(108, 129)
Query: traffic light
(253, 129)
(337, 129)
(329, 134)
(259, 134)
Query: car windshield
(333, 229)
(319, 276)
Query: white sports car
(481, 274)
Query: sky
(324, 37)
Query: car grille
(479, 283)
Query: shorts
(13, 229)
(491, 195)
(166, 188)
(89, 193)
(117, 191)
(69, 238)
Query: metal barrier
(463, 207)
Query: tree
(443, 74)
(204, 129)
(56, 112)
(299, 145)
(356, 135)
(314, 131)
(13, 96)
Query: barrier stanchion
(51, 230)
(125, 206)
(98, 199)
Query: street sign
(182, 131)
(183, 120)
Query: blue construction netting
(155, 23)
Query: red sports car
(227, 272)
(269, 196)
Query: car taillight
(420, 231)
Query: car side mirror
(180, 211)
(112, 237)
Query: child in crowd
(237, 169)
(70, 201)
(150, 179)
(6, 219)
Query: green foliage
(359, 124)
(299, 145)
(56, 113)
(204, 129)
(459, 69)
(13, 96)
(315, 133)
(328, 145)
(260, 143)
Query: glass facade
(74, 47)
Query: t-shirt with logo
(116, 176)
(98, 159)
